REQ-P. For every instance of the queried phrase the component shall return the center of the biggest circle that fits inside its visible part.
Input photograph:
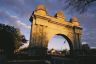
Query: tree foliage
(79, 5)
(9, 39)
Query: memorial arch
(45, 27)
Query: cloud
(19, 23)
(84, 42)
(89, 29)
(12, 20)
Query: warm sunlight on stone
(44, 27)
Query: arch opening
(59, 45)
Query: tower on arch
(45, 27)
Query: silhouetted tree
(23, 39)
(79, 5)
(64, 52)
(9, 39)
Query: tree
(9, 39)
(79, 5)
(23, 39)
(65, 52)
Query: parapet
(60, 14)
(74, 20)
(58, 18)
(41, 10)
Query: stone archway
(64, 39)
(45, 27)
(69, 41)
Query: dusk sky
(58, 43)
(18, 12)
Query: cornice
(54, 22)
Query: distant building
(85, 49)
